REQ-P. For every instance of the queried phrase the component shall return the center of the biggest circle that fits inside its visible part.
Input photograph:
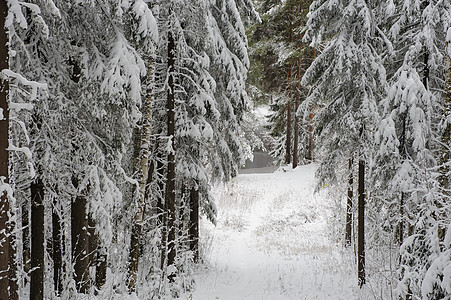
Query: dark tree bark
(4, 161)
(445, 150)
(288, 141)
(403, 152)
(97, 256)
(170, 183)
(92, 241)
(101, 266)
(310, 128)
(290, 73)
(37, 240)
(348, 236)
(361, 224)
(57, 250)
(310, 138)
(134, 256)
(296, 119)
(194, 223)
(26, 237)
(80, 243)
(13, 285)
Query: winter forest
(127, 127)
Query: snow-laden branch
(34, 85)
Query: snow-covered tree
(347, 81)
(409, 153)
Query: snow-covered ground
(273, 241)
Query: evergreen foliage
(87, 77)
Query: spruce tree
(347, 80)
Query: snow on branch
(32, 84)
(147, 23)
(15, 12)
(124, 70)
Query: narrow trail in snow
(272, 242)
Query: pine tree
(5, 241)
(347, 81)
(37, 240)
(408, 152)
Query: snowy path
(271, 242)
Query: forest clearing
(274, 240)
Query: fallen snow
(272, 241)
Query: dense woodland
(118, 117)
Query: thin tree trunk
(80, 244)
(26, 237)
(290, 73)
(403, 152)
(142, 143)
(310, 137)
(57, 250)
(296, 119)
(4, 160)
(348, 237)
(164, 236)
(161, 189)
(134, 256)
(94, 250)
(310, 143)
(170, 183)
(101, 267)
(288, 141)
(445, 150)
(13, 284)
(426, 70)
(37, 240)
(401, 219)
(361, 224)
(194, 223)
(92, 241)
(161, 207)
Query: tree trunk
(26, 237)
(57, 250)
(161, 190)
(288, 141)
(170, 183)
(4, 160)
(161, 210)
(401, 220)
(403, 152)
(101, 267)
(80, 244)
(348, 236)
(426, 70)
(361, 224)
(194, 223)
(290, 73)
(96, 258)
(445, 140)
(310, 129)
(37, 240)
(13, 284)
(92, 241)
(310, 138)
(296, 119)
(142, 148)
